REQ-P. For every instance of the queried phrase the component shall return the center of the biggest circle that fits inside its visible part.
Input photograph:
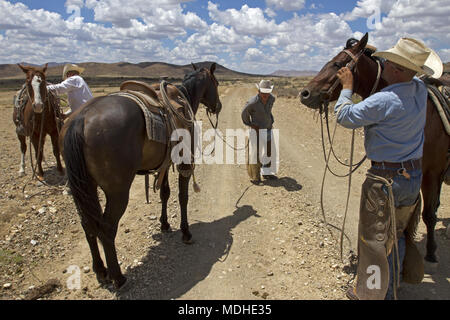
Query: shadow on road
(436, 285)
(287, 183)
(171, 268)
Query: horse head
(36, 86)
(322, 87)
(209, 94)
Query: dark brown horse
(105, 144)
(436, 144)
(39, 118)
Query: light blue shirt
(393, 120)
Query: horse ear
(363, 42)
(193, 66)
(45, 68)
(213, 68)
(24, 69)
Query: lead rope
(189, 122)
(327, 159)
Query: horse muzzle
(310, 99)
(218, 107)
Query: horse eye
(338, 65)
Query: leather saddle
(149, 94)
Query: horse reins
(351, 65)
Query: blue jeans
(405, 193)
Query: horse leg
(56, 152)
(431, 188)
(38, 153)
(164, 195)
(23, 149)
(116, 203)
(183, 196)
(97, 262)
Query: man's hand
(346, 77)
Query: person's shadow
(288, 183)
(172, 268)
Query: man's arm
(246, 115)
(352, 116)
(64, 87)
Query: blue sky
(251, 36)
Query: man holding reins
(257, 114)
(393, 121)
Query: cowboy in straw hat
(393, 121)
(257, 114)
(77, 90)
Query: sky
(255, 36)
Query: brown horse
(105, 144)
(436, 144)
(39, 118)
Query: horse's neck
(193, 94)
(367, 75)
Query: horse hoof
(166, 228)
(430, 267)
(188, 240)
(120, 284)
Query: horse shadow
(171, 268)
(288, 183)
(53, 178)
(435, 284)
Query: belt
(408, 165)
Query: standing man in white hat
(257, 114)
(77, 90)
(393, 121)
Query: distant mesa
(126, 70)
(293, 73)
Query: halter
(351, 65)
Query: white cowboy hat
(265, 86)
(414, 55)
(71, 67)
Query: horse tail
(81, 183)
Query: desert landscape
(264, 241)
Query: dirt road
(251, 242)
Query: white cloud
(247, 39)
(366, 8)
(160, 15)
(248, 21)
(287, 5)
(424, 20)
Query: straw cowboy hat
(414, 55)
(71, 67)
(265, 86)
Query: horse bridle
(351, 65)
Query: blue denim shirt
(393, 120)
